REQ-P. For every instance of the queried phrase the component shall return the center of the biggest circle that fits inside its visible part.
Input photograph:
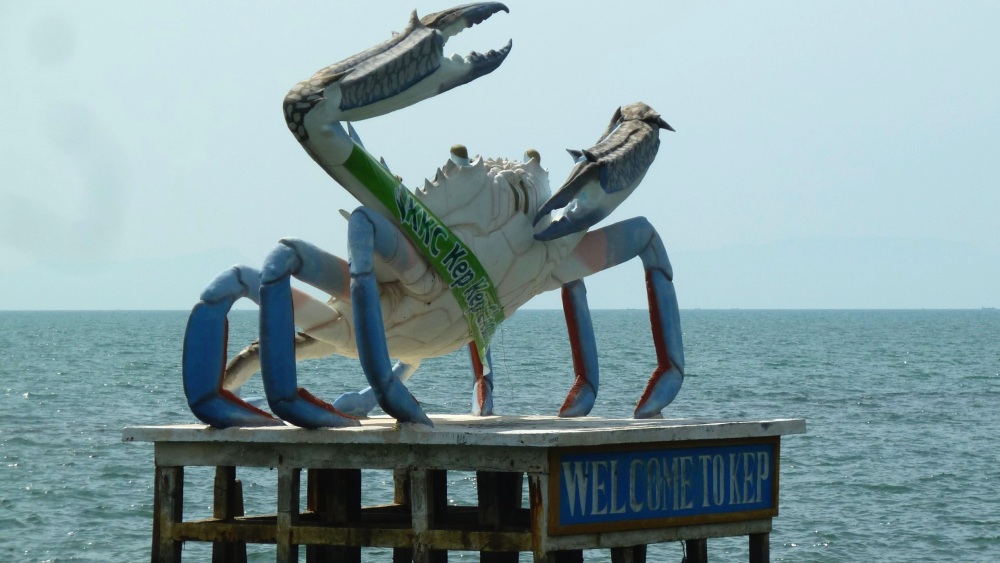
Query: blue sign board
(632, 488)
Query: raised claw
(453, 21)
(407, 68)
(605, 174)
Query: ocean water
(900, 463)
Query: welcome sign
(662, 485)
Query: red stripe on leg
(321, 403)
(574, 334)
(663, 364)
(477, 373)
(231, 397)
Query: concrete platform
(524, 431)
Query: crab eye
(460, 155)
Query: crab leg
(324, 271)
(616, 244)
(361, 403)
(482, 386)
(204, 356)
(370, 235)
(582, 395)
(397, 258)
(277, 331)
(209, 383)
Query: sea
(900, 461)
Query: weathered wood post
(499, 497)
(428, 503)
(697, 550)
(168, 511)
(288, 513)
(760, 548)
(227, 505)
(401, 496)
(334, 498)
(632, 554)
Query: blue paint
(642, 485)
(373, 351)
(362, 403)
(584, 345)
(277, 348)
(204, 355)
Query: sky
(826, 155)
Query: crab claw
(605, 174)
(409, 67)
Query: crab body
(434, 269)
(420, 315)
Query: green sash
(455, 261)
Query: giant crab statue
(432, 270)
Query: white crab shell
(489, 204)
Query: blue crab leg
(277, 331)
(582, 395)
(482, 386)
(664, 315)
(361, 403)
(616, 244)
(370, 234)
(204, 358)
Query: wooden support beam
(227, 505)
(401, 496)
(537, 488)
(428, 504)
(334, 497)
(168, 510)
(697, 550)
(499, 497)
(288, 513)
(634, 554)
(562, 556)
(760, 548)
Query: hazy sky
(827, 155)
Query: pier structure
(592, 483)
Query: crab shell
(490, 205)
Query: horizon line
(982, 308)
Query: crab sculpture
(436, 269)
